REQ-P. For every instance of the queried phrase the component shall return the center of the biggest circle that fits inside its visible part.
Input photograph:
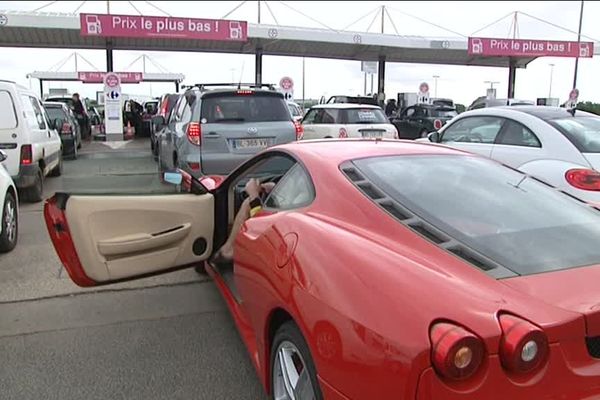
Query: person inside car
(257, 192)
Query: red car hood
(574, 289)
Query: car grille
(593, 346)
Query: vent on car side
(593, 346)
(422, 227)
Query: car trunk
(573, 289)
(238, 124)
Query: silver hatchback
(213, 131)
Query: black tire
(289, 332)
(6, 243)
(35, 193)
(58, 170)
(74, 153)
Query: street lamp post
(551, 73)
(435, 79)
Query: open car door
(102, 239)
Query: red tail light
(524, 346)
(456, 353)
(66, 128)
(585, 179)
(194, 133)
(164, 107)
(299, 130)
(194, 165)
(343, 133)
(26, 154)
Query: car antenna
(241, 75)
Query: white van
(29, 139)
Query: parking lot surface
(163, 337)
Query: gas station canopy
(58, 30)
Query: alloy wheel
(291, 378)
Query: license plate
(251, 143)
(372, 134)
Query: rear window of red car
(510, 218)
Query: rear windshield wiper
(229, 119)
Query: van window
(33, 112)
(8, 117)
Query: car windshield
(583, 132)
(511, 218)
(247, 106)
(364, 116)
(443, 113)
(55, 113)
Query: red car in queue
(375, 270)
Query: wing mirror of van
(3, 156)
(57, 124)
(434, 136)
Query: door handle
(142, 241)
(213, 135)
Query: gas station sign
(140, 26)
(98, 77)
(113, 107)
(529, 48)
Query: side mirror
(159, 121)
(174, 178)
(434, 136)
(3, 156)
(57, 124)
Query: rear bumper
(68, 143)
(26, 177)
(559, 380)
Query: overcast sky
(328, 77)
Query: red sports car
(375, 270)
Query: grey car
(212, 130)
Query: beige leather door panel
(119, 237)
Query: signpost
(113, 106)
(138, 26)
(529, 48)
(286, 85)
(572, 102)
(423, 96)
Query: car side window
(29, 112)
(311, 117)
(473, 130)
(294, 190)
(516, 134)
(39, 114)
(409, 112)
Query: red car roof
(334, 152)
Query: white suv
(346, 120)
(9, 211)
(29, 140)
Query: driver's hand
(253, 188)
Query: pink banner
(98, 77)
(529, 48)
(138, 26)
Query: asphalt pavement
(169, 336)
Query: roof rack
(202, 86)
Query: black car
(165, 107)
(353, 100)
(82, 120)
(67, 126)
(417, 121)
